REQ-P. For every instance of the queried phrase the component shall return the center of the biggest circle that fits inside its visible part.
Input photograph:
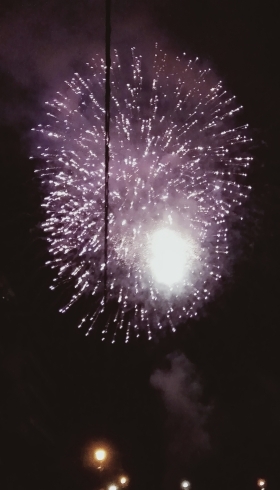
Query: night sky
(202, 404)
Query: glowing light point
(185, 484)
(112, 487)
(261, 483)
(100, 455)
(123, 480)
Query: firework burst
(177, 172)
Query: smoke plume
(186, 414)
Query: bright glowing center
(168, 250)
(100, 454)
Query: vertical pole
(107, 139)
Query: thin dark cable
(107, 139)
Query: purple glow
(177, 169)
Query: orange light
(113, 487)
(123, 480)
(100, 455)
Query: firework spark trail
(177, 172)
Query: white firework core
(169, 254)
(177, 171)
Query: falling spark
(178, 165)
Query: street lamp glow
(100, 455)
(113, 487)
(185, 484)
(261, 483)
(123, 480)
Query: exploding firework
(177, 172)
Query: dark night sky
(60, 390)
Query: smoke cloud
(43, 43)
(187, 439)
